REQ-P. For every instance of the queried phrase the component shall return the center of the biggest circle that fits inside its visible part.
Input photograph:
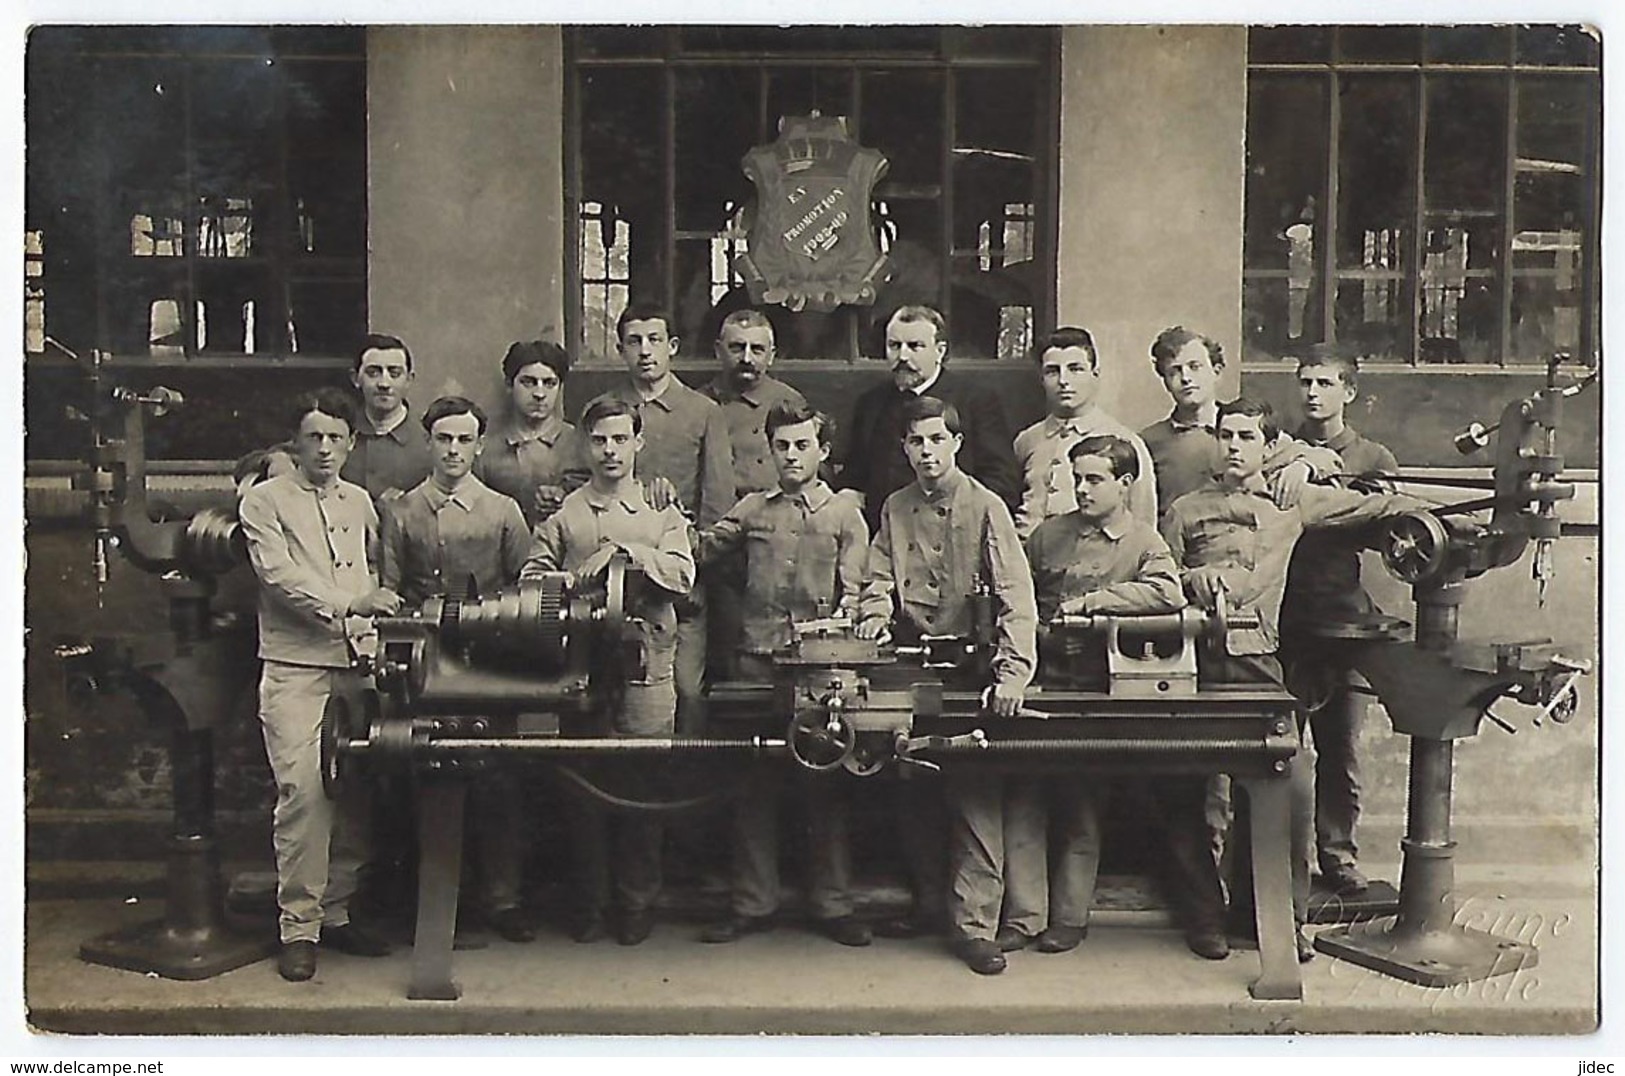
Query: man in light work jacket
(312, 541)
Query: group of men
(729, 500)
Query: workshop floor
(1133, 975)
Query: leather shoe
(589, 930)
(512, 924)
(1060, 938)
(735, 927)
(351, 939)
(634, 928)
(297, 961)
(1345, 880)
(1208, 944)
(846, 931)
(1306, 948)
(980, 955)
(1011, 940)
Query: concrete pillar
(1153, 121)
(466, 194)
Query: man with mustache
(686, 461)
(391, 454)
(747, 393)
(917, 350)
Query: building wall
(1153, 121)
(466, 133)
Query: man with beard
(747, 394)
(917, 350)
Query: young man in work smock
(453, 536)
(606, 518)
(941, 536)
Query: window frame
(671, 56)
(1511, 72)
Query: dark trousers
(616, 856)
(754, 829)
(922, 828)
(1181, 804)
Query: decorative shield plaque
(812, 241)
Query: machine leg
(440, 865)
(192, 941)
(1423, 944)
(1280, 978)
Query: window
(197, 191)
(1423, 194)
(660, 119)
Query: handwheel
(337, 725)
(821, 741)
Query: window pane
(326, 106)
(992, 309)
(62, 181)
(325, 218)
(1378, 44)
(326, 317)
(1289, 44)
(1287, 127)
(1558, 45)
(802, 90)
(320, 40)
(1280, 316)
(1466, 156)
(1378, 151)
(1464, 168)
(239, 311)
(901, 118)
(142, 106)
(622, 171)
(148, 309)
(996, 133)
(1371, 315)
(1007, 41)
(1552, 214)
(1469, 44)
(718, 121)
